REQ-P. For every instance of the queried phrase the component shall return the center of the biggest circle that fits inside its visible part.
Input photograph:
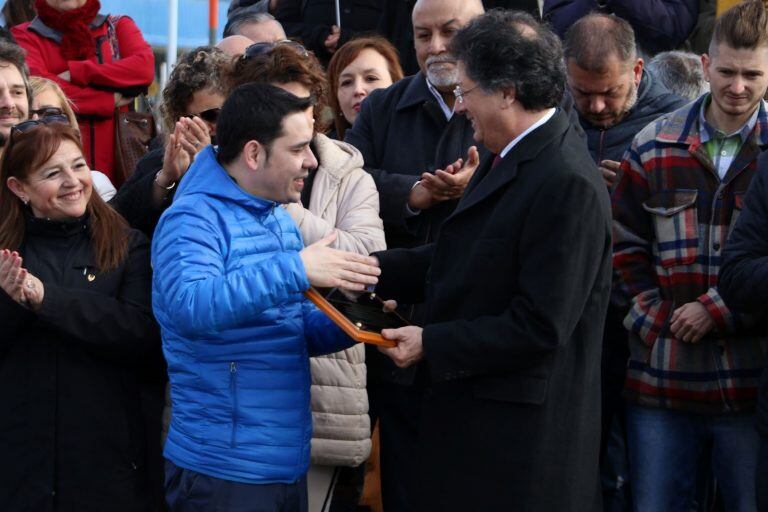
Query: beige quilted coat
(344, 197)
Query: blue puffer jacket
(237, 331)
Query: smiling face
(369, 71)
(482, 109)
(738, 79)
(60, 188)
(14, 104)
(283, 166)
(202, 101)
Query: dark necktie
(496, 160)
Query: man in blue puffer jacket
(229, 272)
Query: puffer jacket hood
(207, 178)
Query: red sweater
(93, 81)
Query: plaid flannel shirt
(672, 217)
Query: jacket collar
(416, 93)
(43, 30)
(486, 181)
(683, 127)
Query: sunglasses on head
(26, 126)
(210, 116)
(257, 49)
(46, 112)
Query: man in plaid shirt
(694, 366)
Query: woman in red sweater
(100, 61)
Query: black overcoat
(516, 289)
(81, 381)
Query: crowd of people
(571, 214)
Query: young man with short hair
(229, 272)
(694, 365)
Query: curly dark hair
(282, 64)
(198, 70)
(510, 49)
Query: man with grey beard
(420, 155)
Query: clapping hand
(331, 268)
(444, 184)
(18, 283)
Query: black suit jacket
(516, 289)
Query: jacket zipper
(600, 147)
(233, 391)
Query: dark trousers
(762, 476)
(397, 409)
(189, 491)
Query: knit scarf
(77, 43)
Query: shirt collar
(440, 101)
(708, 131)
(546, 117)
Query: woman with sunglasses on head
(339, 195)
(360, 66)
(75, 306)
(191, 103)
(49, 100)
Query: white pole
(173, 34)
(338, 15)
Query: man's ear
(508, 97)
(637, 71)
(253, 155)
(706, 60)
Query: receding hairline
(598, 37)
(473, 7)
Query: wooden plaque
(350, 320)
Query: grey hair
(504, 49)
(232, 28)
(680, 72)
(597, 37)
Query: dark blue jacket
(743, 280)
(653, 100)
(660, 25)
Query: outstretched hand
(332, 268)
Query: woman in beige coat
(339, 195)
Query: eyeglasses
(46, 112)
(257, 49)
(210, 116)
(459, 93)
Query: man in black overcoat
(515, 288)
